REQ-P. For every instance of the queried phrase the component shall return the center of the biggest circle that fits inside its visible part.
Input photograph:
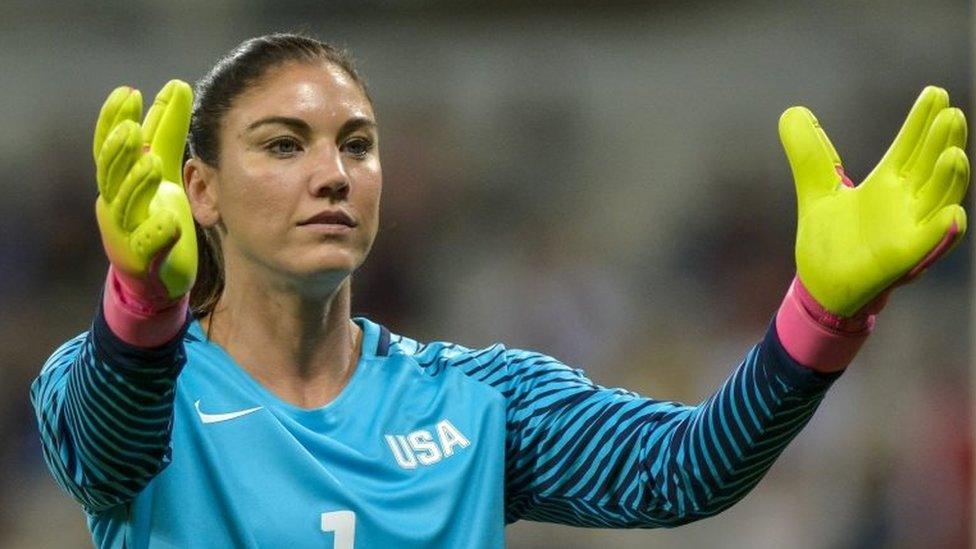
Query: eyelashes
(283, 147)
(287, 147)
(359, 146)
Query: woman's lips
(331, 217)
(327, 228)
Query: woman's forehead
(313, 90)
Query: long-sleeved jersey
(428, 445)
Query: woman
(253, 411)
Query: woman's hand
(143, 213)
(854, 244)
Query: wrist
(140, 314)
(817, 338)
(860, 321)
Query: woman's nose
(329, 176)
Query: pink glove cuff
(815, 337)
(138, 320)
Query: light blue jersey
(429, 445)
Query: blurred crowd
(602, 185)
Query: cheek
(370, 185)
(368, 180)
(258, 203)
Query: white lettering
(406, 459)
(422, 441)
(420, 445)
(450, 437)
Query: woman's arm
(104, 409)
(582, 454)
(104, 400)
(585, 455)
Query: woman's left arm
(585, 455)
(581, 454)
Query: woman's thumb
(812, 157)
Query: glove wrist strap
(141, 320)
(816, 338)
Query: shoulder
(440, 354)
(54, 372)
(495, 364)
(65, 353)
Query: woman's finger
(932, 100)
(948, 130)
(947, 185)
(124, 103)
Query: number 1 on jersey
(343, 524)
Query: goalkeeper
(225, 397)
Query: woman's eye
(359, 146)
(283, 147)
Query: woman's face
(301, 142)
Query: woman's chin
(322, 266)
(319, 282)
(335, 267)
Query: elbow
(699, 500)
(685, 493)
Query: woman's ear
(200, 183)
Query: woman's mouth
(333, 221)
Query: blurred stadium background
(599, 181)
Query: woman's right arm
(104, 410)
(104, 400)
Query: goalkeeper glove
(143, 213)
(854, 245)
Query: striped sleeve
(104, 410)
(584, 455)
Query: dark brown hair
(214, 95)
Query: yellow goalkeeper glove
(855, 244)
(143, 213)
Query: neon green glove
(143, 212)
(855, 244)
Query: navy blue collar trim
(383, 346)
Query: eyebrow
(356, 123)
(296, 124)
(302, 127)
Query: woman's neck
(302, 348)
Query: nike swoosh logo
(217, 418)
